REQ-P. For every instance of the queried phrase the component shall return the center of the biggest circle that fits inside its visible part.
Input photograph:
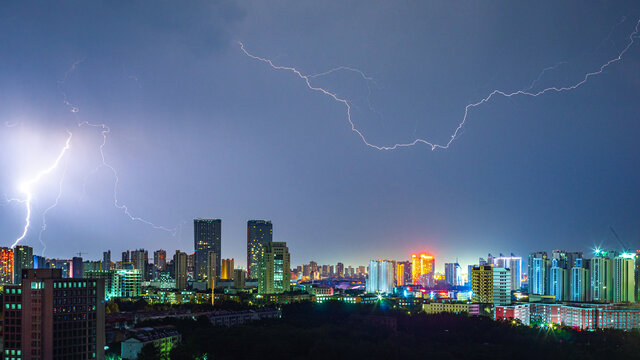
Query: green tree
(149, 352)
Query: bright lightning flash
(25, 188)
(525, 92)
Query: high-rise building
(22, 259)
(126, 283)
(514, 264)
(259, 233)
(49, 317)
(275, 269)
(423, 268)
(559, 281)
(624, 278)
(637, 275)
(6, 265)
(239, 277)
(539, 273)
(491, 284)
(207, 236)
(106, 260)
(580, 281)
(340, 269)
(452, 274)
(39, 262)
(380, 277)
(126, 256)
(400, 274)
(501, 286)
(160, 259)
(482, 284)
(180, 264)
(601, 269)
(227, 269)
(211, 269)
(140, 260)
(76, 267)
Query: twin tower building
(266, 261)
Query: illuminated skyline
(196, 129)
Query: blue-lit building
(381, 277)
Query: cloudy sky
(199, 129)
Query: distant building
(227, 269)
(559, 281)
(381, 275)
(48, 317)
(580, 281)
(513, 312)
(259, 233)
(514, 264)
(239, 277)
(340, 269)
(6, 265)
(400, 274)
(211, 269)
(452, 274)
(275, 269)
(207, 236)
(539, 273)
(23, 259)
(106, 260)
(423, 269)
(160, 259)
(491, 285)
(624, 278)
(180, 263)
(76, 267)
(601, 269)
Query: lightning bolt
(104, 131)
(492, 94)
(25, 188)
(43, 228)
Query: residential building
(514, 264)
(180, 264)
(23, 259)
(275, 269)
(6, 265)
(49, 317)
(601, 268)
(624, 278)
(227, 269)
(580, 281)
(164, 338)
(381, 274)
(452, 274)
(539, 273)
(207, 236)
(160, 259)
(259, 233)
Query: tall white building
(501, 286)
(538, 273)
(580, 282)
(623, 278)
(453, 274)
(381, 277)
(558, 281)
(601, 269)
(514, 264)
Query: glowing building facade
(624, 278)
(601, 277)
(423, 267)
(381, 275)
(259, 233)
(227, 269)
(514, 264)
(275, 269)
(6, 265)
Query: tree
(149, 352)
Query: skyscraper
(514, 264)
(207, 236)
(559, 281)
(180, 264)
(160, 259)
(340, 269)
(227, 269)
(624, 278)
(423, 267)
(400, 274)
(580, 281)
(482, 284)
(6, 265)
(106, 260)
(259, 233)
(380, 277)
(452, 274)
(601, 277)
(211, 269)
(539, 273)
(275, 269)
(22, 259)
(76, 267)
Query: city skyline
(187, 126)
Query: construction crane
(80, 253)
(625, 246)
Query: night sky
(200, 130)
